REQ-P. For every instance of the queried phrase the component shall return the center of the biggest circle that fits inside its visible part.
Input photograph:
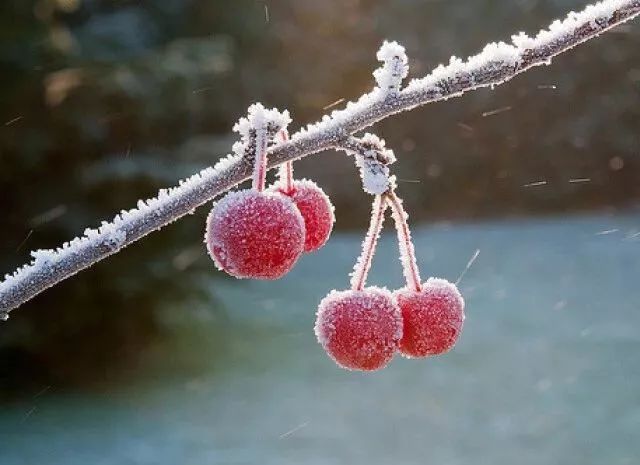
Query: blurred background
(154, 357)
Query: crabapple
(359, 329)
(316, 210)
(432, 318)
(251, 234)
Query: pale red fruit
(359, 330)
(253, 234)
(316, 209)
(432, 318)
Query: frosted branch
(256, 131)
(373, 160)
(496, 64)
(394, 69)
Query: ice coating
(259, 123)
(256, 131)
(360, 330)
(595, 14)
(372, 159)
(394, 69)
(259, 116)
(252, 234)
(316, 210)
(496, 63)
(432, 318)
(51, 265)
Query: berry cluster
(260, 233)
(362, 328)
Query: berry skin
(253, 234)
(316, 209)
(432, 318)
(359, 330)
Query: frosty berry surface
(432, 318)
(359, 329)
(316, 210)
(252, 234)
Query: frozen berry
(254, 234)
(432, 318)
(316, 209)
(359, 329)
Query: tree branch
(497, 63)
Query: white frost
(394, 69)
(373, 160)
(498, 55)
(109, 237)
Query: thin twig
(496, 64)
(407, 252)
(363, 265)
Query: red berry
(316, 209)
(432, 318)
(254, 234)
(359, 330)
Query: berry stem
(407, 251)
(285, 173)
(260, 168)
(361, 269)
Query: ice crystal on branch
(272, 121)
(257, 131)
(372, 158)
(394, 69)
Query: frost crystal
(51, 265)
(502, 59)
(315, 207)
(394, 69)
(359, 329)
(272, 120)
(433, 318)
(373, 160)
(256, 131)
(254, 234)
